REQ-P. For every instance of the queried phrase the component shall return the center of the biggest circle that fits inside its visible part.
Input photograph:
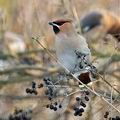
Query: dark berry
(44, 79)
(50, 90)
(31, 91)
(28, 90)
(107, 113)
(60, 106)
(49, 98)
(77, 98)
(80, 114)
(82, 104)
(81, 110)
(51, 107)
(86, 98)
(40, 86)
(46, 82)
(75, 114)
(87, 92)
(20, 110)
(33, 85)
(113, 119)
(35, 92)
(75, 108)
(56, 103)
(47, 106)
(117, 118)
(81, 66)
(105, 116)
(55, 108)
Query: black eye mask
(56, 29)
(59, 23)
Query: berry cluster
(78, 111)
(79, 54)
(50, 92)
(106, 114)
(50, 88)
(111, 118)
(54, 106)
(116, 118)
(81, 103)
(32, 90)
(83, 64)
(20, 114)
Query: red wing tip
(85, 77)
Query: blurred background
(22, 60)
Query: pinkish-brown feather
(63, 20)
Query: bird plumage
(103, 21)
(67, 41)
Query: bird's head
(61, 25)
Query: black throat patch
(56, 29)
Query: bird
(70, 47)
(98, 23)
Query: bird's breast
(68, 59)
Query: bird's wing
(83, 46)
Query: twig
(111, 101)
(74, 77)
(108, 83)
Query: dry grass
(20, 20)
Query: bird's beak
(51, 23)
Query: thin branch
(74, 77)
